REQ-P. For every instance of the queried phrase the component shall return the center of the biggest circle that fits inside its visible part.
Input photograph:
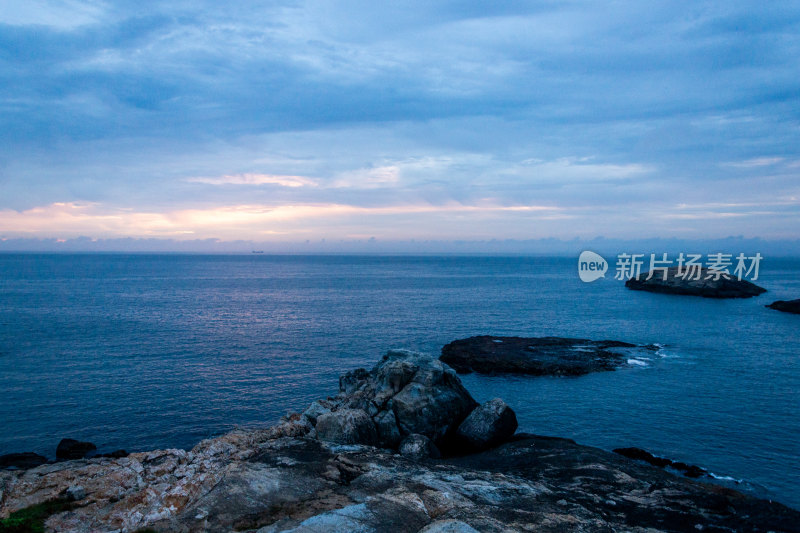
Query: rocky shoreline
(403, 447)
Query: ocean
(141, 351)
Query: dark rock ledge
(290, 478)
(692, 471)
(21, 460)
(67, 449)
(539, 356)
(709, 284)
(787, 306)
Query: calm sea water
(151, 351)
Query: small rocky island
(538, 356)
(403, 448)
(708, 284)
(787, 306)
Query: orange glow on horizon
(72, 218)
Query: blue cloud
(125, 103)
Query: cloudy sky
(287, 121)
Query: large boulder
(417, 447)
(347, 426)
(489, 425)
(787, 306)
(406, 392)
(709, 284)
(431, 411)
(73, 449)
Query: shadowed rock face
(538, 356)
(487, 426)
(787, 306)
(709, 285)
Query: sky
(286, 122)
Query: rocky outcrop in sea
(538, 356)
(787, 306)
(402, 448)
(703, 282)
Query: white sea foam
(661, 350)
(725, 478)
(637, 362)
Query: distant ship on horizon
(257, 252)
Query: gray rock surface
(347, 426)
(488, 425)
(448, 526)
(317, 408)
(75, 493)
(275, 481)
(709, 284)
